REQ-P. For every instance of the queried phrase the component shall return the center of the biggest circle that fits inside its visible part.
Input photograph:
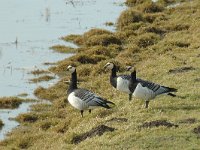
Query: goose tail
(170, 94)
(172, 90)
(108, 104)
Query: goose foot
(146, 104)
(82, 113)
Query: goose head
(71, 69)
(129, 68)
(109, 66)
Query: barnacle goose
(83, 99)
(147, 90)
(120, 82)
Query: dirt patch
(188, 121)
(197, 130)
(99, 130)
(158, 123)
(181, 70)
(118, 120)
(197, 79)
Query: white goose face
(129, 68)
(71, 69)
(109, 66)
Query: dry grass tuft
(38, 72)
(129, 16)
(63, 49)
(146, 40)
(132, 3)
(29, 118)
(10, 102)
(151, 7)
(103, 40)
(42, 78)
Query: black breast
(113, 81)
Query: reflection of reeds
(47, 14)
(70, 2)
(16, 42)
(0, 52)
(1, 124)
(8, 66)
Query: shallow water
(7, 114)
(29, 27)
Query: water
(7, 114)
(29, 27)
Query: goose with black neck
(83, 99)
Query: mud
(99, 130)
(117, 120)
(181, 70)
(158, 123)
(197, 79)
(188, 121)
(197, 130)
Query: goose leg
(146, 104)
(82, 113)
(130, 97)
(90, 110)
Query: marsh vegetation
(12, 102)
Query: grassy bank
(162, 43)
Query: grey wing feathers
(91, 98)
(156, 88)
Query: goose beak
(105, 67)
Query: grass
(11, 102)
(42, 78)
(23, 95)
(38, 72)
(154, 43)
(63, 49)
(109, 23)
